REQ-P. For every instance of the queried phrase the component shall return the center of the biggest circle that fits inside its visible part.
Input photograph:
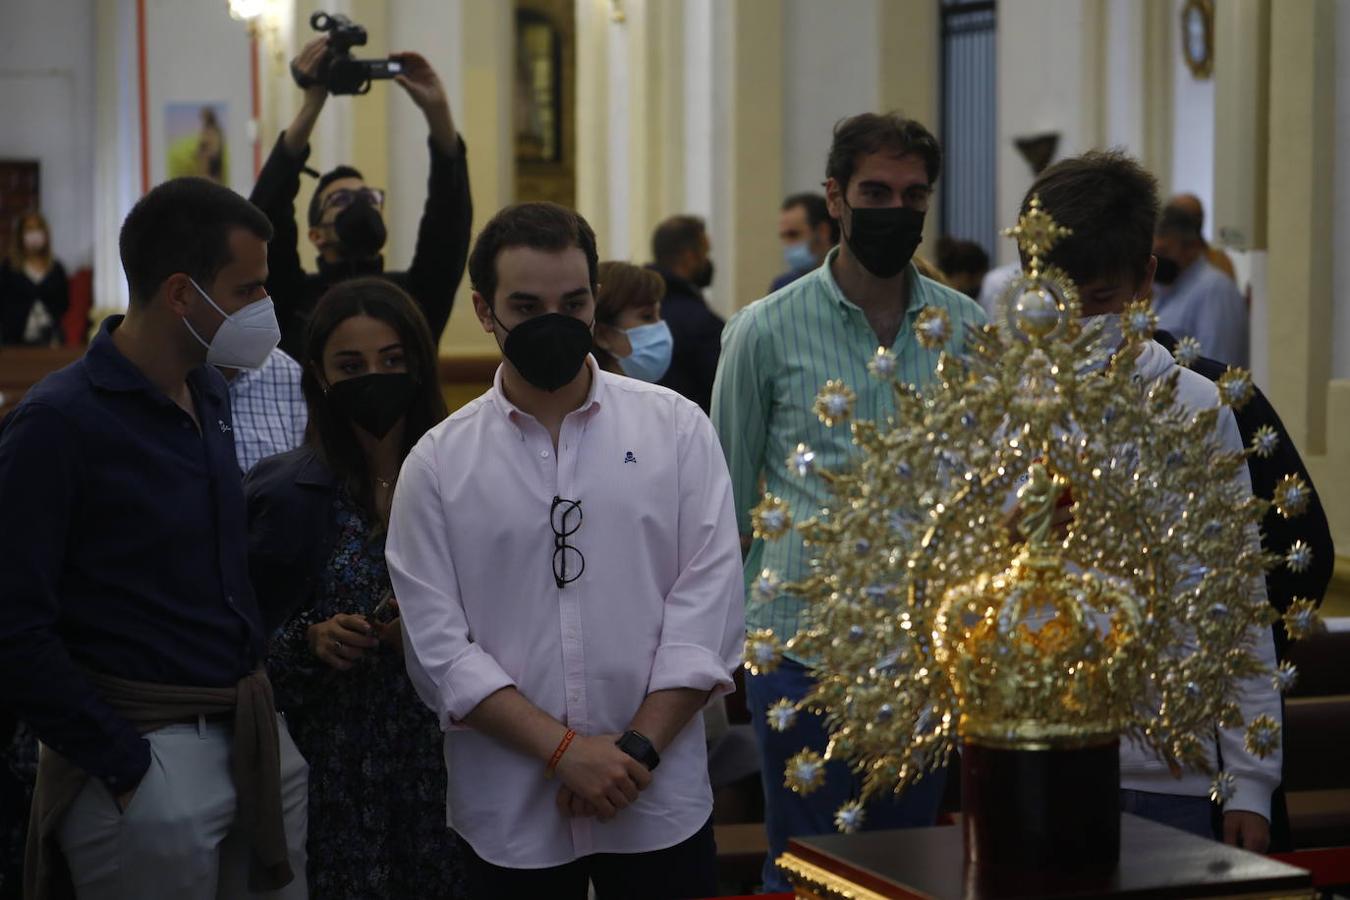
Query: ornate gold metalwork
(948, 597)
(813, 881)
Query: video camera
(340, 73)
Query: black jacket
(18, 293)
(697, 331)
(1277, 532)
(291, 529)
(437, 264)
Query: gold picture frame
(1197, 37)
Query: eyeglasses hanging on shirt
(564, 516)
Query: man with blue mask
(131, 641)
(807, 233)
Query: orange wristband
(558, 754)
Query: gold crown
(930, 616)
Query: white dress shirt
(658, 606)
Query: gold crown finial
(1037, 233)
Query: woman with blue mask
(630, 337)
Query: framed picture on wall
(194, 141)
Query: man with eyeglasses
(565, 557)
(347, 216)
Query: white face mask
(245, 339)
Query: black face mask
(549, 350)
(704, 276)
(360, 230)
(375, 403)
(884, 240)
(1168, 270)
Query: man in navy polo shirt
(130, 639)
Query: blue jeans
(788, 814)
(1192, 814)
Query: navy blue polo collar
(109, 370)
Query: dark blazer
(291, 529)
(697, 331)
(1277, 532)
(18, 293)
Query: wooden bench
(23, 367)
(1317, 742)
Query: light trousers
(177, 838)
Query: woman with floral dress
(317, 519)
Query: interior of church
(687, 138)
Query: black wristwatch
(637, 746)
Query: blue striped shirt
(777, 353)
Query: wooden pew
(1317, 741)
(23, 367)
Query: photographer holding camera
(346, 223)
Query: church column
(1299, 209)
(1242, 60)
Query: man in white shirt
(1110, 203)
(565, 557)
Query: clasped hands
(598, 779)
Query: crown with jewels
(946, 599)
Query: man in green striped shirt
(777, 353)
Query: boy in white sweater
(1111, 205)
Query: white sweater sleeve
(1255, 778)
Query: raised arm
(447, 219)
(275, 193)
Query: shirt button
(543, 454)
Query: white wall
(196, 52)
(831, 70)
(1040, 89)
(1124, 119)
(1340, 279)
(1192, 133)
(47, 107)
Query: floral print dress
(376, 771)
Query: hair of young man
(958, 257)
(327, 178)
(817, 211)
(184, 225)
(539, 226)
(331, 435)
(676, 236)
(623, 286)
(1111, 204)
(890, 133)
